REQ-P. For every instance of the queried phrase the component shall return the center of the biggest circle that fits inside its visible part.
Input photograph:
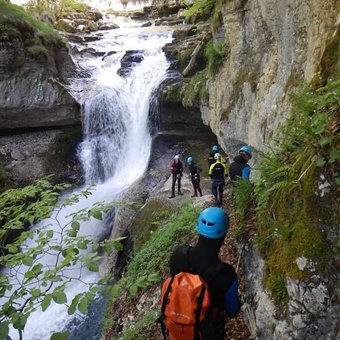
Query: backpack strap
(198, 313)
(160, 320)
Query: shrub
(215, 53)
(201, 9)
(196, 90)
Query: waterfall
(117, 142)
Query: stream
(115, 150)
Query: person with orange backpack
(201, 288)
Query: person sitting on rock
(195, 176)
(240, 167)
(221, 278)
(217, 172)
(176, 169)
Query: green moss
(196, 90)
(38, 52)
(289, 212)
(215, 54)
(174, 94)
(217, 18)
(148, 220)
(184, 57)
(201, 9)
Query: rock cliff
(271, 48)
(39, 119)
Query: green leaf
(27, 260)
(4, 329)
(20, 322)
(59, 297)
(97, 214)
(82, 306)
(92, 266)
(49, 234)
(334, 155)
(71, 310)
(35, 292)
(325, 140)
(46, 302)
(13, 249)
(133, 290)
(320, 162)
(60, 335)
(75, 225)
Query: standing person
(211, 159)
(240, 167)
(195, 176)
(187, 313)
(176, 169)
(217, 172)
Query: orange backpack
(185, 301)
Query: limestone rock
(272, 47)
(33, 92)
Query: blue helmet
(190, 159)
(215, 148)
(213, 222)
(246, 149)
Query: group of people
(202, 289)
(218, 171)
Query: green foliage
(217, 17)
(144, 328)
(147, 266)
(11, 11)
(201, 9)
(39, 284)
(196, 90)
(242, 195)
(21, 207)
(290, 206)
(215, 54)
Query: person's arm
(232, 303)
(172, 167)
(246, 173)
(211, 169)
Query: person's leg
(214, 190)
(194, 184)
(179, 186)
(220, 191)
(173, 186)
(199, 188)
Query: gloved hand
(179, 176)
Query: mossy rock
(147, 220)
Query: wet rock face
(32, 91)
(129, 59)
(312, 313)
(33, 155)
(272, 48)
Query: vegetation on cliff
(296, 195)
(17, 25)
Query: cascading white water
(117, 142)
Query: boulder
(66, 25)
(147, 24)
(107, 26)
(130, 58)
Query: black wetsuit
(236, 168)
(195, 177)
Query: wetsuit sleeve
(211, 168)
(246, 172)
(172, 167)
(232, 303)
